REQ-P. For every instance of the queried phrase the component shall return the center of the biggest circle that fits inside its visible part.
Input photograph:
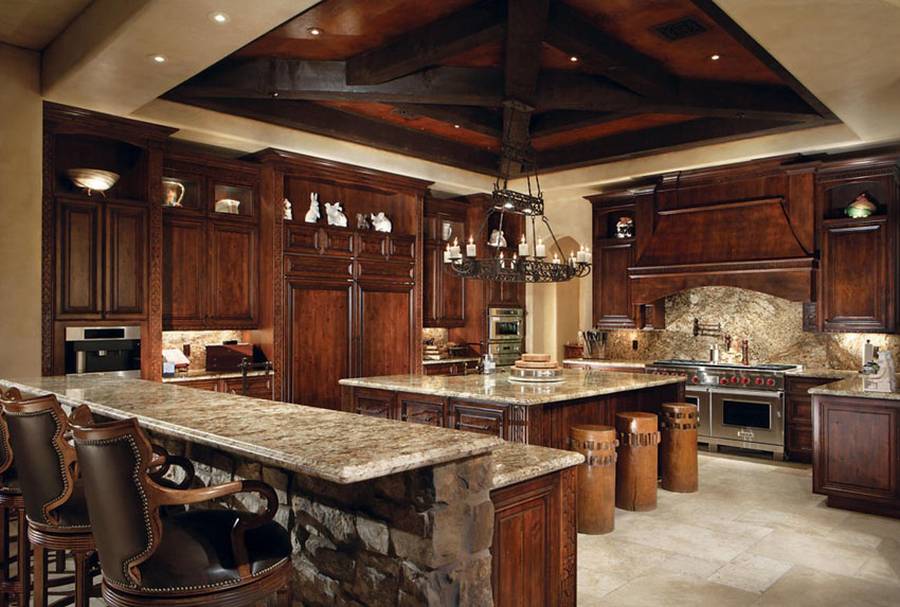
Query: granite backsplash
(198, 341)
(774, 327)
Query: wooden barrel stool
(596, 477)
(678, 447)
(638, 435)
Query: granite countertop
(853, 386)
(451, 360)
(496, 388)
(822, 372)
(335, 446)
(198, 374)
(603, 362)
(517, 462)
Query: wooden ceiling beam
(430, 44)
(316, 118)
(480, 120)
(569, 31)
(558, 121)
(294, 79)
(671, 137)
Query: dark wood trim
(430, 44)
(558, 121)
(480, 120)
(315, 118)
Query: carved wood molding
(48, 239)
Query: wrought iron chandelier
(528, 262)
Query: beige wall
(557, 311)
(20, 212)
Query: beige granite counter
(601, 363)
(853, 387)
(496, 388)
(820, 372)
(199, 374)
(335, 446)
(517, 462)
(452, 359)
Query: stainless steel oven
(751, 419)
(700, 398)
(505, 353)
(506, 324)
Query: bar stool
(638, 434)
(678, 447)
(12, 506)
(596, 495)
(194, 557)
(52, 492)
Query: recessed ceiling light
(158, 58)
(456, 126)
(573, 59)
(314, 31)
(219, 17)
(715, 57)
(274, 93)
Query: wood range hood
(702, 237)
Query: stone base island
(379, 512)
(536, 414)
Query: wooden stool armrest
(161, 463)
(242, 525)
(164, 496)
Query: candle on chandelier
(502, 263)
(523, 247)
(572, 258)
(447, 258)
(582, 255)
(540, 251)
(470, 248)
(556, 260)
(455, 251)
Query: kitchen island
(856, 446)
(379, 512)
(537, 414)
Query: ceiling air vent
(679, 29)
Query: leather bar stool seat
(678, 447)
(636, 469)
(196, 551)
(16, 586)
(596, 493)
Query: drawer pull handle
(481, 427)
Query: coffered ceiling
(465, 82)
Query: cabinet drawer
(257, 387)
(373, 403)
(316, 265)
(372, 245)
(483, 419)
(396, 270)
(403, 247)
(301, 238)
(201, 384)
(420, 409)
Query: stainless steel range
(739, 406)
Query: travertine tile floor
(754, 534)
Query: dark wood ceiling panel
(407, 118)
(597, 131)
(465, 82)
(632, 22)
(348, 27)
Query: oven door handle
(759, 393)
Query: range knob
(758, 381)
(695, 380)
(745, 380)
(770, 382)
(723, 380)
(734, 379)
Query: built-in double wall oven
(506, 334)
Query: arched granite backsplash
(773, 325)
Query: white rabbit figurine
(288, 211)
(335, 215)
(381, 223)
(313, 215)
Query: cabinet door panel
(319, 317)
(613, 307)
(373, 403)
(126, 257)
(184, 272)
(480, 418)
(233, 281)
(386, 322)
(78, 261)
(422, 409)
(453, 298)
(432, 265)
(855, 265)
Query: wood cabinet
(233, 282)
(449, 368)
(479, 417)
(350, 310)
(444, 292)
(856, 461)
(184, 272)
(422, 409)
(534, 547)
(798, 433)
(500, 294)
(858, 288)
(258, 386)
(101, 260)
